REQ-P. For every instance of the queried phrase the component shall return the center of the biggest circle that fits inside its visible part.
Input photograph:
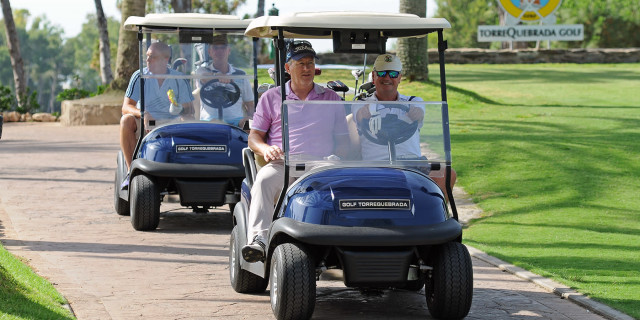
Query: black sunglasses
(392, 74)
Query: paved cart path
(56, 210)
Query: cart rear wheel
(449, 290)
(145, 203)
(121, 205)
(242, 280)
(293, 283)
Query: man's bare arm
(129, 107)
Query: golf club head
(178, 62)
(272, 74)
(337, 86)
(287, 76)
(366, 86)
(356, 73)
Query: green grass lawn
(551, 153)
(25, 295)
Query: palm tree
(126, 60)
(105, 52)
(413, 51)
(14, 51)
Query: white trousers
(266, 188)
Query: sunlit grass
(551, 153)
(25, 295)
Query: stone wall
(99, 110)
(485, 56)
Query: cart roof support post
(282, 53)
(442, 46)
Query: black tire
(449, 290)
(145, 203)
(242, 280)
(121, 205)
(293, 283)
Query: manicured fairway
(551, 153)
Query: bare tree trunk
(14, 51)
(413, 51)
(262, 45)
(260, 11)
(127, 59)
(181, 6)
(52, 97)
(105, 52)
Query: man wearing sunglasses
(387, 74)
(308, 135)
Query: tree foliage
(84, 48)
(45, 63)
(199, 6)
(465, 17)
(607, 23)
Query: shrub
(72, 94)
(28, 101)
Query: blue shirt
(156, 101)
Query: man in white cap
(387, 74)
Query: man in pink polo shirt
(314, 130)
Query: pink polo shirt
(311, 127)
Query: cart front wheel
(449, 289)
(145, 203)
(293, 283)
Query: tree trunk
(127, 59)
(181, 6)
(52, 97)
(260, 11)
(105, 52)
(14, 51)
(413, 51)
(262, 45)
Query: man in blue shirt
(157, 102)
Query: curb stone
(467, 210)
(560, 290)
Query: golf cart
(199, 161)
(384, 222)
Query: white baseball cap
(387, 62)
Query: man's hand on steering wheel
(375, 120)
(390, 128)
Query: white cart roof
(322, 24)
(175, 21)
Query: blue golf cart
(200, 161)
(384, 222)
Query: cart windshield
(409, 134)
(208, 75)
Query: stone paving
(56, 210)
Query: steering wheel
(392, 130)
(216, 94)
